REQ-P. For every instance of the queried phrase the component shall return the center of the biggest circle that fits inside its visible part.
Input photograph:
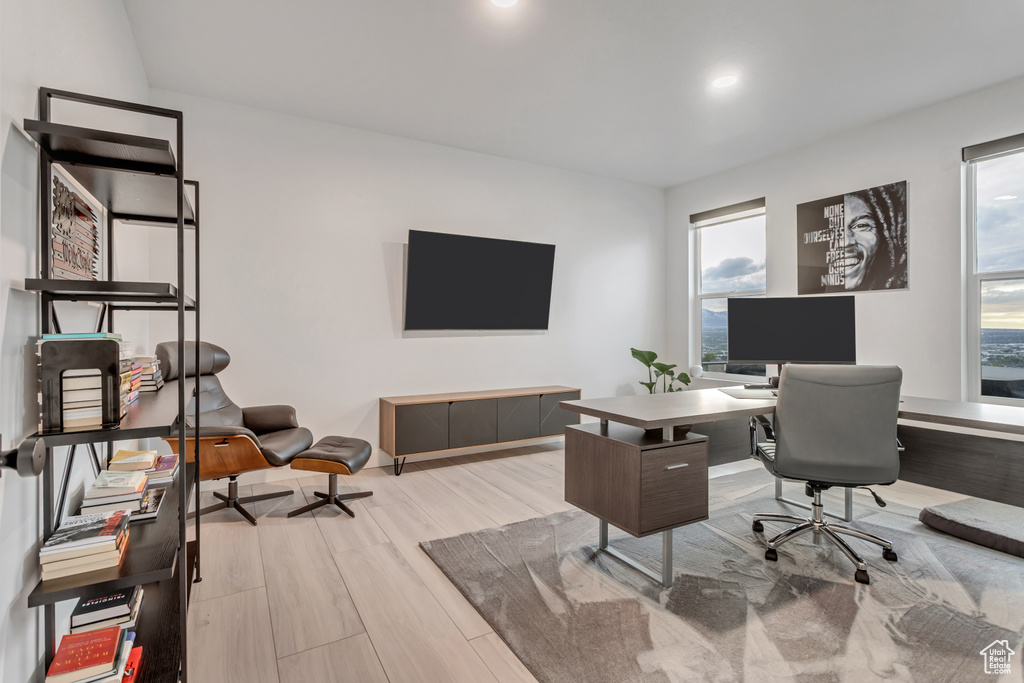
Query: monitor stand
(772, 383)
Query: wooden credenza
(636, 481)
(433, 423)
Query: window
(730, 251)
(995, 177)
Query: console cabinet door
(553, 419)
(472, 423)
(421, 428)
(518, 418)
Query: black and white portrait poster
(853, 242)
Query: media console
(433, 423)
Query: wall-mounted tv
(456, 282)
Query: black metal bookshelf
(151, 555)
(138, 180)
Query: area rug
(573, 614)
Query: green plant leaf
(663, 368)
(670, 389)
(649, 385)
(684, 378)
(645, 357)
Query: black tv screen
(793, 330)
(455, 282)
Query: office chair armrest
(764, 424)
(263, 419)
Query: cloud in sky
(1002, 304)
(1000, 213)
(732, 274)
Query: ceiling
(618, 88)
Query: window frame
(972, 156)
(699, 222)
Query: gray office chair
(835, 425)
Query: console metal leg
(664, 578)
(399, 465)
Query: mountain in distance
(714, 318)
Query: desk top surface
(653, 411)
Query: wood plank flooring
(322, 597)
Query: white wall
(921, 328)
(85, 46)
(303, 227)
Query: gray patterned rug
(573, 615)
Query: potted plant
(666, 375)
(662, 372)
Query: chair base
(818, 525)
(332, 497)
(233, 501)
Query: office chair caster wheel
(757, 526)
(889, 554)
(771, 554)
(862, 576)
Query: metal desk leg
(665, 578)
(848, 516)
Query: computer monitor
(792, 330)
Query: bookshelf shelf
(151, 555)
(128, 174)
(153, 415)
(121, 295)
(137, 180)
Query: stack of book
(152, 379)
(148, 463)
(85, 543)
(115, 491)
(163, 472)
(101, 656)
(131, 378)
(81, 396)
(120, 608)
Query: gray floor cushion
(993, 525)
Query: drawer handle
(676, 467)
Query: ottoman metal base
(332, 497)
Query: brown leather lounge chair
(232, 440)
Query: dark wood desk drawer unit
(673, 486)
(635, 481)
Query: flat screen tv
(456, 282)
(793, 330)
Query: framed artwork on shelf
(74, 231)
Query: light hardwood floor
(323, 597)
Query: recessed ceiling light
(504, 3)
(724, 81)
(1004, 197)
